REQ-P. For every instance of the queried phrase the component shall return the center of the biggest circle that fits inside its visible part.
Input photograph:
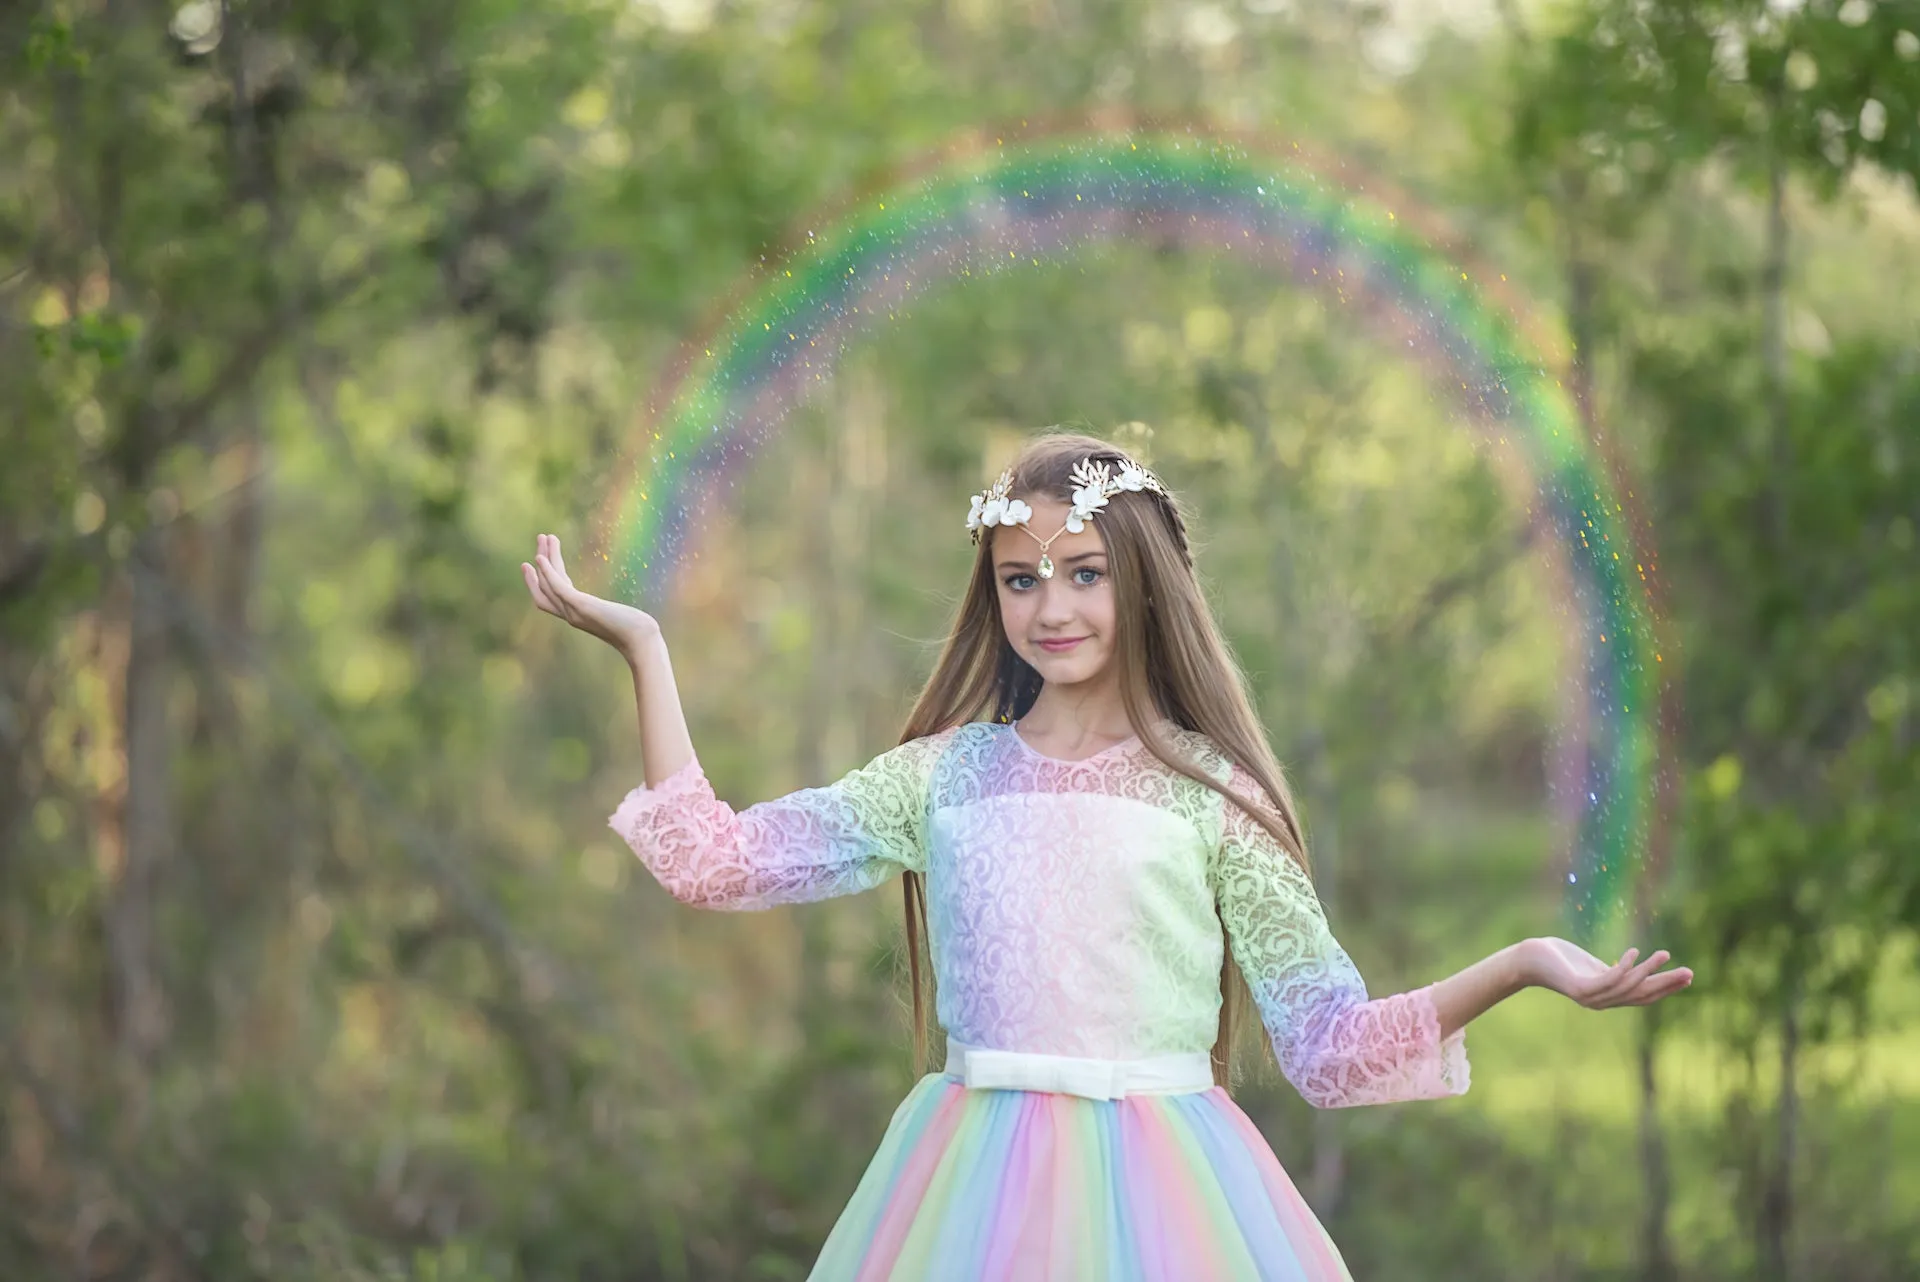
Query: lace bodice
(1074, 908)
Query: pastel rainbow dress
(1075, 914)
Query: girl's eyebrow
(1065, 560)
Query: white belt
(985, 1070)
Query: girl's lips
(1060, 647)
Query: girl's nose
(1055, 605)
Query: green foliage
(312, 314)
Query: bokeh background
(317, 960)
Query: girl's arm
(1338, 1046)
(848, 836)
(1559, 965)
(811, 844)
(665, 745)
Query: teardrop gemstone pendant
(1046, 566)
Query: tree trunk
(146, 817)
(1776, 1202)
(223, 837)
(236, 565)
(1776, 1206)
(19, 727)
(1656, 1252)
(1582, 284)
(1773, 348)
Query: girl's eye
(1024, 582)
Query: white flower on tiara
(1004, 512)
(1089, 495)
(1134, 477)
(995, 507)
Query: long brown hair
(1174, 665)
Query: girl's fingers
(1649, 972)
(1602, 985)
(532, 579)
(554, 588)
(541, 597)
(1655, 989)
(1633, 981)
(546, 579)
(1652, 964)
(1602, 975)
(1651, 987)
(549, 547)
(1631, 963)
(1654, 993)
(556, 575)
(1671, 981)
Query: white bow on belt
(1100, 1079)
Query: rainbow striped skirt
(1041, 1187)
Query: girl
(1094, 868)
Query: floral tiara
(1093, 484)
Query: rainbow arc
(1011, 203)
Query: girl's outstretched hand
(1571, 970)
(620, 626)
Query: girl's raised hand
(1574, 972)
(620, 626)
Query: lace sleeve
(838, 839)
(1336, 1046)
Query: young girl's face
(1064, 625)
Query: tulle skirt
(978, 1184)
